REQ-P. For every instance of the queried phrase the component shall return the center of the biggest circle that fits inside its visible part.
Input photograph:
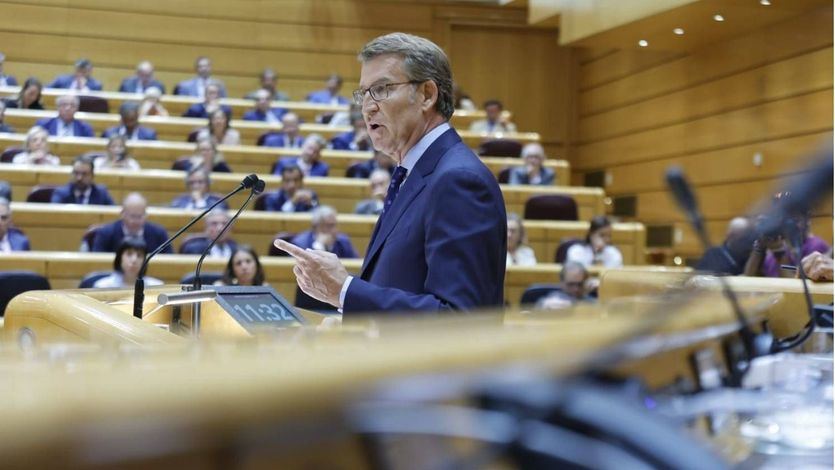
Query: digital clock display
(257, 307)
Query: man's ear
(429, 96)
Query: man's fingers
(292, 249)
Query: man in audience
(213, 224)
(10, 238)
(199, 196)
(534, 172)
(262, 111)
(378, 184)
(80, 80)
(293, 196)
(572, 290)
(197, 86)
(269, 82)
(329, 95)
(132, 223)
(130, 128)
(143, 80)
(495, 121)
(310, 159)
(81, 189)
(6, 80)
(65, 124)
(211, 102)
(289, 135)
(324, 235)
(731, 255)
(3, 126)
(379, 160)
(357, 139)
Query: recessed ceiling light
(678, 31)
(718, 17)
(765, 2)
(643, 43)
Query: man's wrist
(344, 291)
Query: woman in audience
(598, 248)
(243, 269)
(150, 105)
(29, 96)
(37, 149)
(533, 172)
(198, 195)
(116, 157)
(220, 130)
(126, 265)
(518, 253)
(208, 157)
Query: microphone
(257, 188)
(680, 188)
(139, 287)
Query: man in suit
(211, 101)
(573, 288)
(81, 80)
(356, 139)
(378, 161)
(378, 184)
(269, 82)
(213, 224)
(533, 172)
(293, 196)
(130, 127)
(324, 235)
(11, 239)
(143, 80)
(197, 86)
(329, 95)
(495, 121)
(199, 196)
(440, 243)
(289, 135)
(310, 159)
(6, 80)
(65, 124)
(131, 224)
(81, 189)
(262, 111)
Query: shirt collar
(413, 155)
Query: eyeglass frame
(359, 93)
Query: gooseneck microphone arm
(257, 188)
(139, 287)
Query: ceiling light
(765, 2)
(643, 43)
(678, 31)
(718, 17)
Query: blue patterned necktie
(396, 180)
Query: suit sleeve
(57, 196)
(465, 236)
(86, 129)
(100, 241)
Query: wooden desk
(241, 158)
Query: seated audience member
(461, 99)
(3, 126)
(293, 196)
(219, 129)
(817, 266)
(29, 96)
(310, 159)
(116, 156)
(518, 253)
(243, 269)
(36, 149)
(213, 223)
(378, 161)
(198, 185)
(597, 248)
(211, 102)
(11, 239)
(324, 235)
(356, 139)
(772, 250)
(5, 79)
(65, 124)
(80, 80)
(197, 86)
(130, 127)
(142, 80)
(731, 255)
(533, 172)
(329, 95)
(150, 105)
(126, 265)
(269, 82)
(5, 190)
(81, 189)
(378, 184)
(208, 158)
(263, 112)
(131, 224)
(495, 121)
(289, 135)
(573, 289)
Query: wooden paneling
(618, 64)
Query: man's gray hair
(422, 60)
(320, 141)
(5, 202)
(572, 266)
(73, 99)
(320, 213)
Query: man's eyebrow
(379, 81)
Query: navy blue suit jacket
(108, 237)
(324, 97)
(129, 85)
(11, 80)
(80, 128)
(442, 245)
(277, 139)
(183, 200)
(319, 168)
(197, 245)
(142, 133)
(98, 195)
(255, 115)
(66, 81)
(342, 247)
(18, 240)
(275, 200)
(198, 110)
(190, 87)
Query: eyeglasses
(379, 92)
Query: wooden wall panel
(619, 64)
